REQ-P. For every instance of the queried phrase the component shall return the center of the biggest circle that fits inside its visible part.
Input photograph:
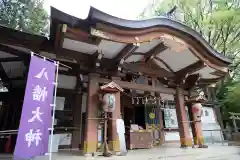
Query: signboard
(170, 118)
(36, 118)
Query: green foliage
(229, 97)
(219, 23)
(24, 15)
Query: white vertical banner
(121, 135)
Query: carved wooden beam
(181, 75)
(218, 73)
(13, 51)
(78, 57)
(4, 77)
(121, 56)
(143, 87)
(25, 57)
(85, 59)
(154, 51)
(147, 69)
(86, 70)
(60, 33)
(191, 68)
(167, 82)
(163, 62)
(132, 54)
(128, 36)
(22, 39)
(191, 81)
(78, 35)
(209, 81)
(96, 60)
(97, 57)
(18, 78)
(10, 59)
(126, 51)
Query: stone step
(234, 143)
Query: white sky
(127, 9)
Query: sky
(126, 9)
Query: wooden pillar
(162, 134)
(185, 137)
(196, 126)
(191, 119)
(160, 116)
(91, 131)
(114, 143)
(77, 116)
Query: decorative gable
(200, 98)
(111, 87)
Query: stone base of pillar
(114, 146)
(186, 142)
(118, 154)
(130, 147)
(161, 141)
(203, 146)
(198, 140)
(200, 146)
(88, 154)
(90, 147)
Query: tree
(219, 23)
(24, 15)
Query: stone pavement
(169, 152)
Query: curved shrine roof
(159, 47)
(96, 16)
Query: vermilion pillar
(196, 125)
(114, 143)
(91, 138)
(185, 137)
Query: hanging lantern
(197, 111)
(109, 102)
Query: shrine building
(157, 67)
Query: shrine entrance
(144, 119)
(152, 112)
